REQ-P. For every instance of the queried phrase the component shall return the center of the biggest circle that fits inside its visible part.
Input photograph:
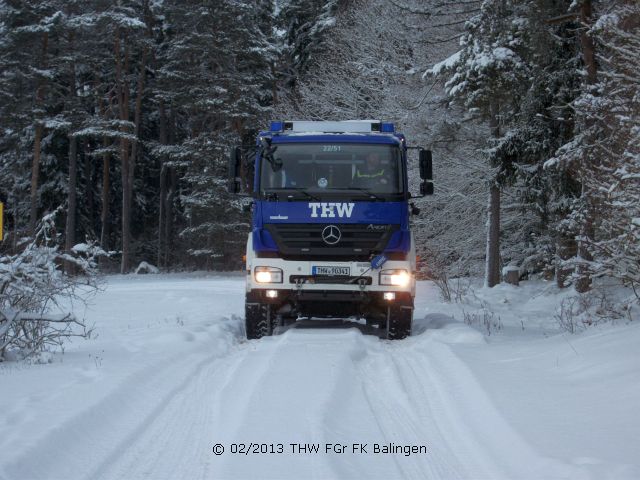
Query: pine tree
(216, 79)
(606, 150)
(303, 24)
(487, 75)
(355, 82)
(26, 87)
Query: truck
(330, 233)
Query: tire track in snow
(302, 387)
(468, 422)
(176, 441)
(398, 412)
(105, 431)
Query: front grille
(358, 241)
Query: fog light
(389, 296)
(272, 293)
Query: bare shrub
(461, 288)
(583, 310)
(33, 286)
(484, 319)
(567, 316)
(450, 289)
(441, 280)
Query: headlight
(268, 275)
(397, 278)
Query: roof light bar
(350, 126)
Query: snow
(146, 267)
(509, 268)
(446, 64)
(480, 61)
(81, 248)
(124, 20)
(168, 376)
(606, 20)
(56, 124)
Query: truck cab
(331, 235)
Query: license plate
(343, 271)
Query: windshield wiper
(270, 196)
(296, 189)
(363, 190)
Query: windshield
(318, 168)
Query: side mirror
(235, 158)
(426, 165)
(426, 188)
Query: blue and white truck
(331, 235)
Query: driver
(372, 173)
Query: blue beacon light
(277, 126)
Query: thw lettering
(329, 209)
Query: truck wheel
(257, 320)
(399, 322)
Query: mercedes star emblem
(331, 234)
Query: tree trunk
(104, 214)
(126, 208)
(274, 84)
(70, 229)
(123, 107)
(492, 267)
(163, 185)
(173, 182)
(127, 186)
(137, 115)
(583, 272)
(492, 259)
(565, 249)
(128, 158)
(588, 46)
(106, 177)
(161, 213)
(37, 142)
(89, 192)
(583, 281)
(35, 179)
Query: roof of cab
(350, 131)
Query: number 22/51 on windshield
(332, 148)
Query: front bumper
(297, 276)
(330, 303)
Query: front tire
(258, 320)
(399, 320)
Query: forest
(117, 119)
(452, 282)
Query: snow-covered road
(169, 377)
